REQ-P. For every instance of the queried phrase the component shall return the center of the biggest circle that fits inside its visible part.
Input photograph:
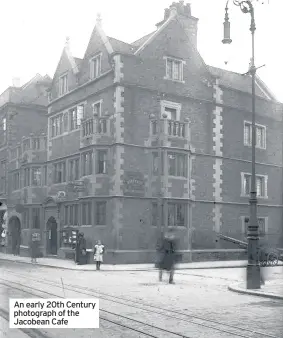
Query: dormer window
(174, 69)
(95, 66)
(63, 84)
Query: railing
(176, 128)
(173, 128)
(87, 127)
(91, 126)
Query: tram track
(195, 320)
(118, 323)
(32, 333)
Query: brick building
(102, 146)
(23, 114)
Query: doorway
(51, 236)
(15, 232)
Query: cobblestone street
(197, 293)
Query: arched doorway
(15, 234)
(51, 236)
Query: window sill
(258, 197)
(257, 147)
(177, 177)
(178, 81)
(59, 183)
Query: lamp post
(253, 267)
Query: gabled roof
(120, 46)
(173, 14)
(142, 40)
(98, 30)
(241, 82)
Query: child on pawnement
(98, 254)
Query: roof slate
(235, 80)
(120, 46)
(142, 40)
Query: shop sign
(133, 184)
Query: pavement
(272, 289)
(70, 265)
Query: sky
(33, 33)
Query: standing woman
(98, 254)
(81, 249)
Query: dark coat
(167, 254)
(81, 251)
(34, 249)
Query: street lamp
(253, 267)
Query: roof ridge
(226, 70)
(147, 35)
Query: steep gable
(98, 43)
(66, 65)
(173, 41)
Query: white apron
(98, 256)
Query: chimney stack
(185, 17)
(16, 82)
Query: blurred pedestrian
(98, 254)
(168, 255)
(81, 255)
(34, 247)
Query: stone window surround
(73, 160)
(94, 203)
(59, 82)
(63, 112)
(154, 209)
(73, 206)
(86, 164)
(166, 77)
(95, 103)
(96, 56)
(244, 225)
(257, 175)
(173, 105)
(106, 160)
(64, 171)
(257, 125)
(177, 154)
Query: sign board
(35, 236)
(133, 184)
